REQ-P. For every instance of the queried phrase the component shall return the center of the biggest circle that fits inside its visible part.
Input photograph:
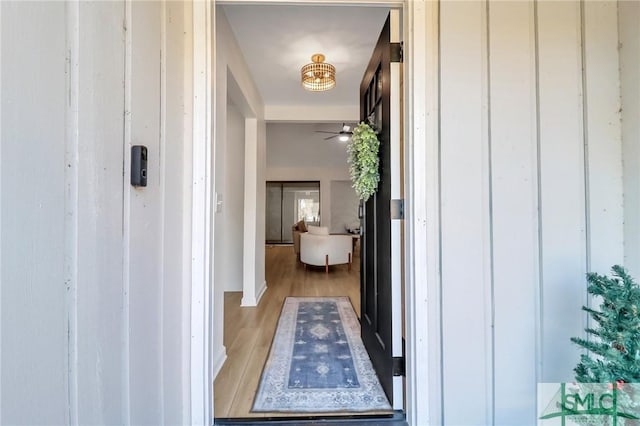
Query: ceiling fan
(343, 135)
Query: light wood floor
(248, 331)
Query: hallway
(248, 331)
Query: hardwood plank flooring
(248, 332)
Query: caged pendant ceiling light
(318, 76)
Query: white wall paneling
(71, 203)
(99, 157)
(531, 194)
(188, 335)
(603, 159)
(562, 186)
(34, 301)
(465, 203)
(514, 207)
(177, 163)
(158, 81)
(629, 16)
(90, 270)
(145, 216)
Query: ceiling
(278, 40)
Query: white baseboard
(248, 302)
(261, 292)
(253, 301)
(219, 360)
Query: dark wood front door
(377, 293)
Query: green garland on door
(363, 160)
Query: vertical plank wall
(465, 202)
(158, 79)
(99, 69)
(145, 215)
(514, 190)
(629, 16)
(604, 159)
(91, 333)
(34, 301)
(531, 195)
(562, 186)
(176, 302)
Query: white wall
(629, 16)
(98, 219)
(159, 80)
(35, 307)
(295, 152)
(302, 145)
(233, 81)
(144, 230)
(177, 257)
(531, 195)
(344, 206)
(92, 333)
(231, 253)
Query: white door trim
(422, 246)
(395, 133)
(201, 225)
(422, 221)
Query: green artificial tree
(614, 351)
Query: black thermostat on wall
(139, 165)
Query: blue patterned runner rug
(317, 361)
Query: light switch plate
(218, 202)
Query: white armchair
(320, 249)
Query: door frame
(422, 199)
(200, 400)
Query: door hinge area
(399, 363)
(397, 209)
(398, 366)
(396, 52)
